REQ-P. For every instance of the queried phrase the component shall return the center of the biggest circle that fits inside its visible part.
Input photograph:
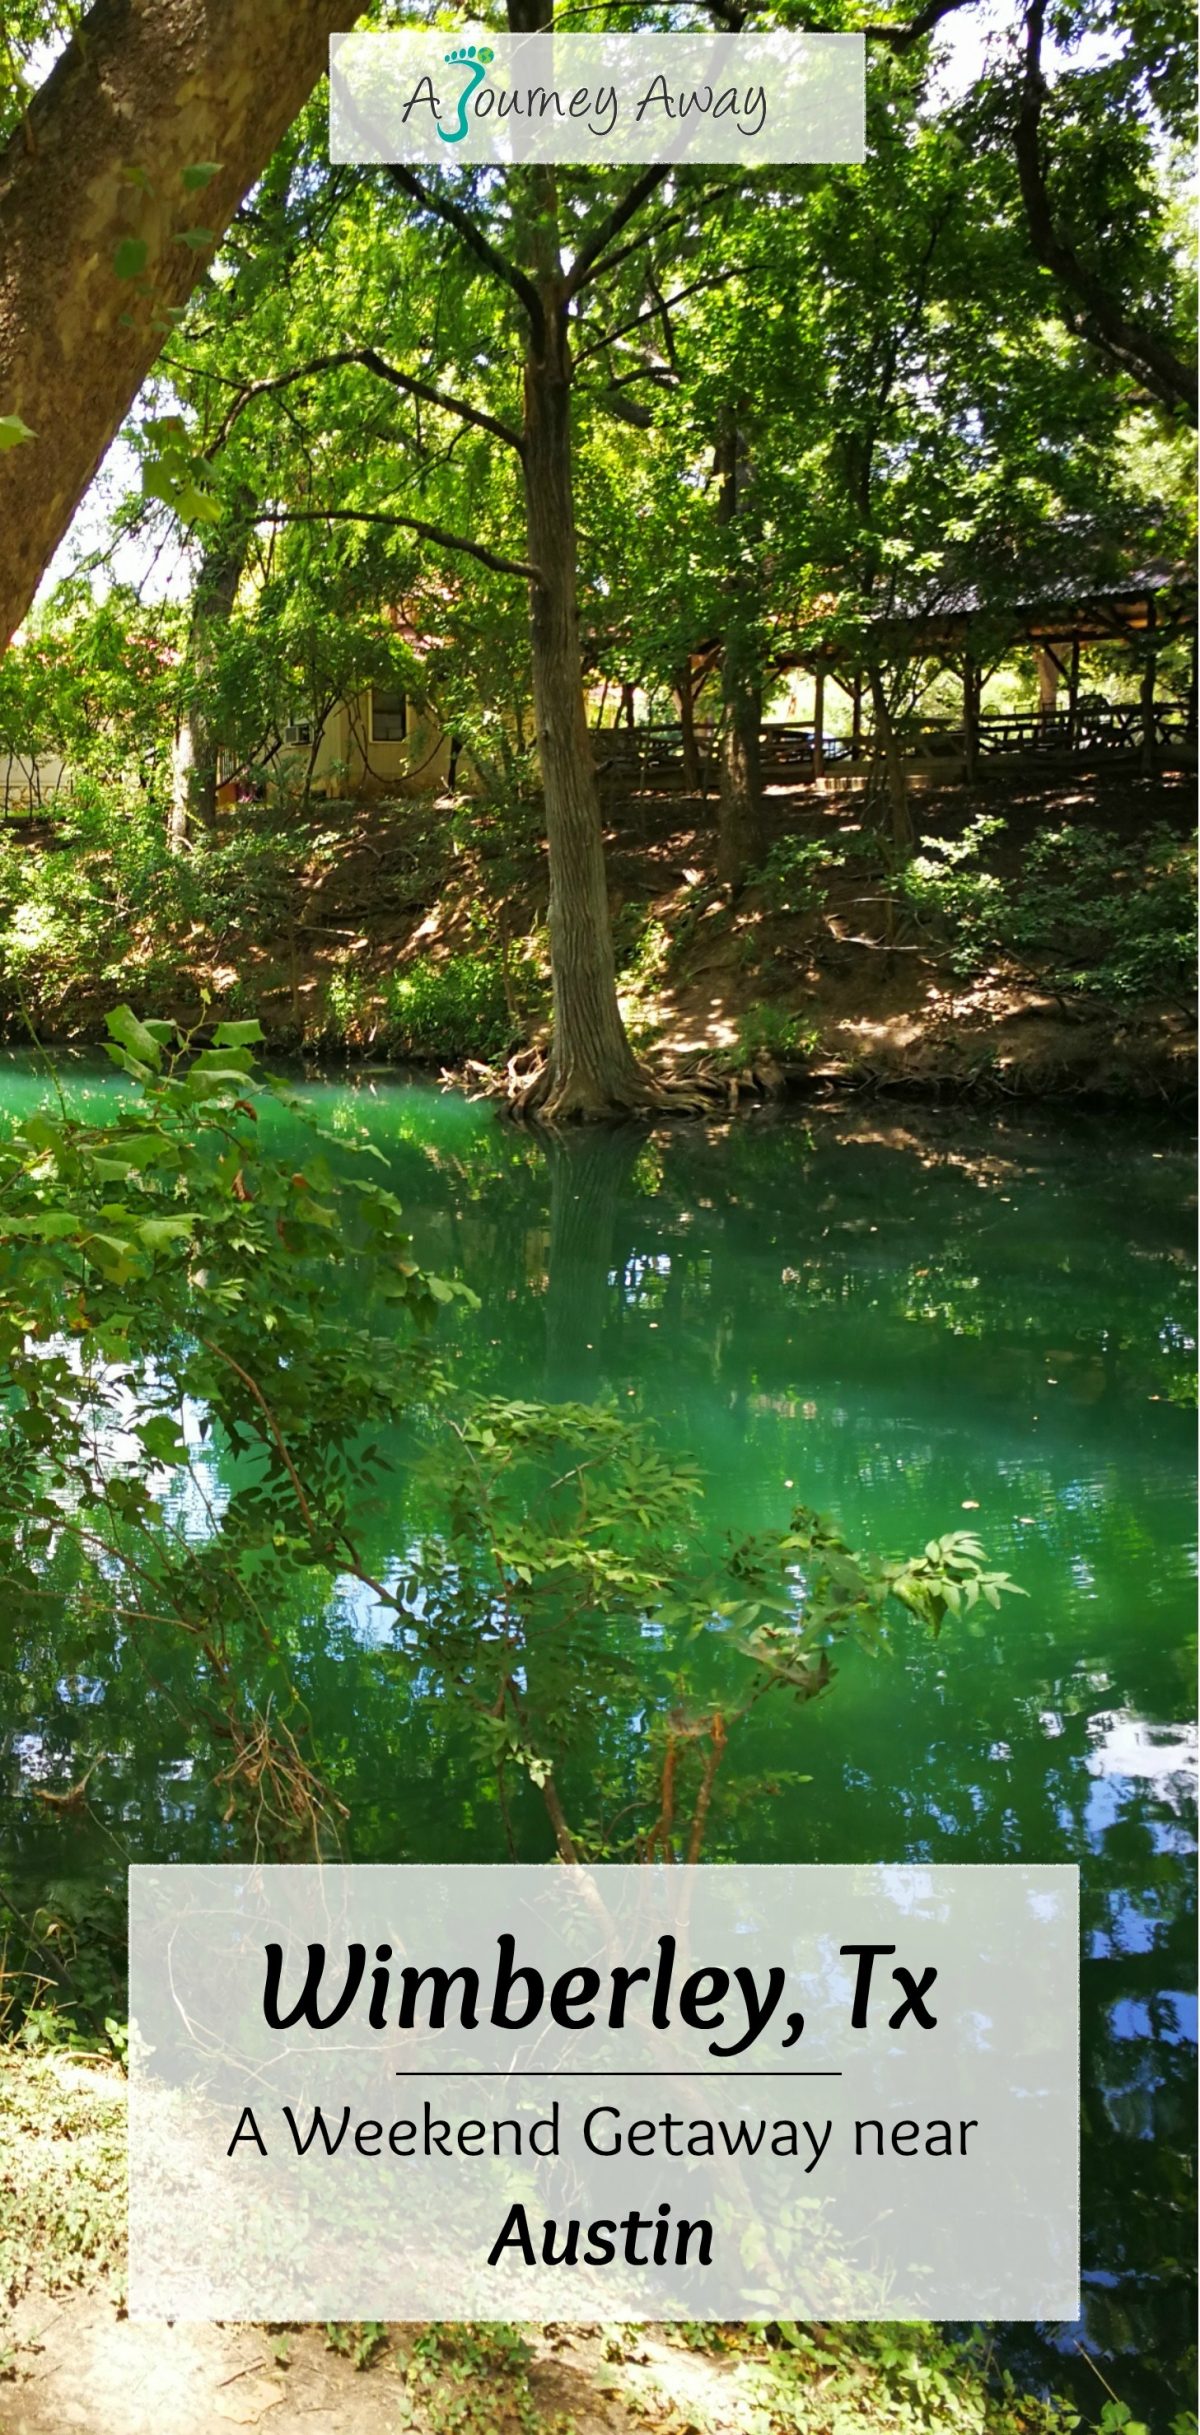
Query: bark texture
(194, 758)
(592, 1070)
(1146, 696)
(152, 87)
(741, 828)
(972, 690)
(890, 754)
(819, 721)
(741, 839)
(1048, 673)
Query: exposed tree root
(531, 1091)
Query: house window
(387, 715)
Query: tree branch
(670, 219)
(489, 257)
(482, 421)
(610, 227)
(893, 37)
(901, 38)
(653, 312)
(409, 524)
(378, 364)
(625, 409)
(1098, 317)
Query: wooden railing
(1093, 727)
(782, 744)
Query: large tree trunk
(741, 827)
(591, 1069)
(197, 743)
(147, 90)
(741, 841)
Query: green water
(910, 1320)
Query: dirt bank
(833, 982)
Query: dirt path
(83, 2367)
(72, 2363)
(71, 2359)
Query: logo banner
(742, 100)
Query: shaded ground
(70, 2359)
(889, 1011)
(868, 999)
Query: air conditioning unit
(300, 733)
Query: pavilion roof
(1061, 605)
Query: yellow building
(379, 742)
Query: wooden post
(693, 773)
(1149, 671)
(971, 692)
(819, 720)
(1073, 696)
(856, 716)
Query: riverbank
(1038, 947)
(72, 2358)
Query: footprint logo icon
(475, 60)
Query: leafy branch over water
(219, 1365)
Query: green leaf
(161, 1439)
(47, 1226)
(196, 238)
(199, 173)
(157, 1233)
(198, 506)
(135, 1036)
(130, 258)
(13, 432)
(238, 1035)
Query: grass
(62, 2171)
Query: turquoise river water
(910, 1319)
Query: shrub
(108, 903)
(790, 878)
(1113, 919)
(770, 1034)
(450, 1009)
(436, 1010)
(1088, 913)
(946, 886)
